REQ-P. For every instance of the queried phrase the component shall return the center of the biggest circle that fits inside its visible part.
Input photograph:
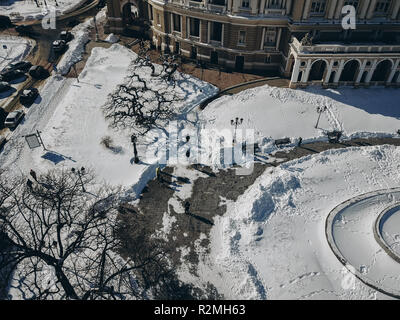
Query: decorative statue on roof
(307, 40)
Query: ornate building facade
(301, 39)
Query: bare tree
(61, 242)
(140, 105)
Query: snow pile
(28, 10)
(271, 242)
(112, 38)
(276, 113)
(13, 49)
(76, 47)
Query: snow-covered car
(21, 65)
(11, 75)
(59, 46)
(4, 86)
(66, 36)
(38, 72)
(28, 96)
(13, 119)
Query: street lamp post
(320, 110)
(134, 140)
(80, 173)
(235, 123)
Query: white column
(288, 6)
(364, 9)
(307, 72)
(339, 72)
(295, 72)
(262, 7)
(371, 9)
(394, 69)
(361, 72)
(332, 9)
(371, 71)
(306, 9)
(395, 10)
(328, 73)
(229, 5)
(339, 9)
(262, 39)
(278, 39)
(253, 6)
(236, 5)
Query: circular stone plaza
(364, 234)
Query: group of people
(29, 183)
(160, 179)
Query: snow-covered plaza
(303, 228)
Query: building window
(216, 31)
(242, 38)
(270, 37)
(353, 3)
(275, 4)
(176, 21)
(194, 27)
(218, 2)
(158, 19)
(318, 7)
(382, 6)
(245, 3)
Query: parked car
(11, 75)
(13, 119)
(38, 72)
(28, 96)
(59, 46)
(4, 86)
(21, 65)
(66, 36)
(5, 22)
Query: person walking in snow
(33, 174)
(158, 174)
(187, 207)
(300, 141)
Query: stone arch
(130, 11)
(350, 70)
(396, 77)
(382, 70)
(332, 77)
(318, 69)
(300, 76)
(290, 64)
(364, 77)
